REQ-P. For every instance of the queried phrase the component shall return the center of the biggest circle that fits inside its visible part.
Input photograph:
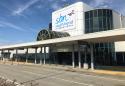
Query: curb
(69, 68)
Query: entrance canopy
(49, 34)
(103, 36)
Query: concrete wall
(123, 21)
(119, 22)
(120, 46)
(116, 20)
(77, 27)
(62, 48)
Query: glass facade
(104, 53)
(120, 56)
(100, 20)
(49, 34)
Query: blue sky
(21, 20)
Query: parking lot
(45, 76)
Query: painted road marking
(96, 76)
(70, 81)
(107, 78)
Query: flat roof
(102, 36)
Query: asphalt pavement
(43, 76)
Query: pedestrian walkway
(109, 71)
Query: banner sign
(64, 20)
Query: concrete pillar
(79, 56)
(49, 53)
(44, 55)
(73, 57)
(123, 57)
(41, 56)
(8, 53)
(115, 58)
(35, 55)
(16, 55)
(55, 54)
(92, 57)
(121, 25)
(85, 60)
(54, 57)
(1, 55)
(27, 55)
(12, 60)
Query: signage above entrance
(64, 20)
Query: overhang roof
(103, 36)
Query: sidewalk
(69, 68)
(109, 72)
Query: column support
(121, 25)
(115, 58)
(92, 57)
(41, 57)
(16, 55)
(35, 55)
(123, 57)
(55, 54)
(79, 56)
(2, 55)
(49, 54)
(44, 55)
(85, 59)
(27, 55)
(8, 55)
(73, 56)
(12, 60)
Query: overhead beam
(102, 36)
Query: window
(91, 14)
(95, 24)
(100, 12)
(87, 26)
(98, 20)
(104, 12)
(95, 12)
(87, 15)
(91, 25)
(104, 23)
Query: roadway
(43, 76)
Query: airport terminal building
(80, 36)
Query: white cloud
(55, 6)
(21, 9)
(13, 26)
(118, 5)
(100, 3)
